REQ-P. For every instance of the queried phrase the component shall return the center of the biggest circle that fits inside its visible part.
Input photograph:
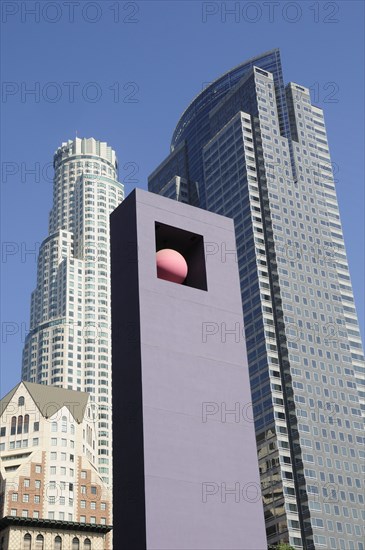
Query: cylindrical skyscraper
(69, 342)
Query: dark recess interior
(191, 246)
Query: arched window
(87, 544)
(27, 542)
(39, 542)
(13, 426)
(26, 423)
(64, 424)
(75, 544)
(54, 427)
(20, 424)
(21, 401)
(58, 543)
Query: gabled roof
(7, 398)
(50, 399)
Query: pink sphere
(171, 265)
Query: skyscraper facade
(257, 151)
(69, 342)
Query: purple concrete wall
(200, 483)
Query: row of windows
(26, 497)
(19, 425)
(20, 444)
(57, 545)
(63, 428)
(51, 515)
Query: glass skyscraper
(69, 342)
(250, 148)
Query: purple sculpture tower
(185, 464)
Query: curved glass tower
(193, 129)
(69, 343)
(250, 148)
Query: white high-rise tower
(69, 342)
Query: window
(57, 543)
(36, 427)
(27, 542)
(13, 426)
(20, 424)
(14, 497)
(39, 542)
(75, 544)
(54, 427)
(21, 401)
(26, 423)
(87, 544)
(26, 483)
(64, 424)
(83, 474)
(2, 432)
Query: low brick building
(51, 495)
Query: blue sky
(124, 72)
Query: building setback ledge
(53, 524)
